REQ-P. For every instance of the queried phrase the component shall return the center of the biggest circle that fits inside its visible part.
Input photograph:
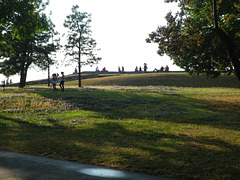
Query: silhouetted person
(122, 69)
(62, 81)
(162, 69)
(3, 85)
(166, 68)
(145, 67)
(119, 70)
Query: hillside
(161, 79)
(177, 79)
(150, 123)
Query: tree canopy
(24, 37)
(80, 43)
(203, 37)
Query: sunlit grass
(175, 131)
(162, 79)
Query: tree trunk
(48, 71)
(231, 50)
(227, 41)
(79, 62)
(23, 77)
(79, 75)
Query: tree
(46, 49)
(7, 13)
(25, 32)
(19, 18)
(80, 42)
(203, 37)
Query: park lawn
(170, 79)
(185, 133)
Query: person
(136, 69)
(3, 85)
(104, 69)
(140, 69)
(97, 70)
(62, 82)
(166, 68)
(75, 71)
(54, 82)
(122, 69)
(145, 67)
(162, 69)
(119, 70)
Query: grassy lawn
(175, 131)
(162, 79)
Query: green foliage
(80, 42)
(19, 17)
(25, 33)
(201, 40)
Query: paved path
(17, 166)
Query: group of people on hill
(62, 78)
(4, 83)
(7, 81)
(103, 69)
(121, 70)
(162, 69)
(55, 81)
(140, 68)
(137, 69)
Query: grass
(162, 79)
(175, 131)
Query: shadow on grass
(154, 153)
(115, 144)
(176, 108)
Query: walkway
(16, 166)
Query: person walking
(62, 80)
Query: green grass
(175, 131)
(162, 79)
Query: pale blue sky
(120, 28)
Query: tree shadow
(114, 144)
(178, 156)
(168, 107)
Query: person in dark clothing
(62, 81)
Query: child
(54, 82)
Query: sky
(119, 27)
